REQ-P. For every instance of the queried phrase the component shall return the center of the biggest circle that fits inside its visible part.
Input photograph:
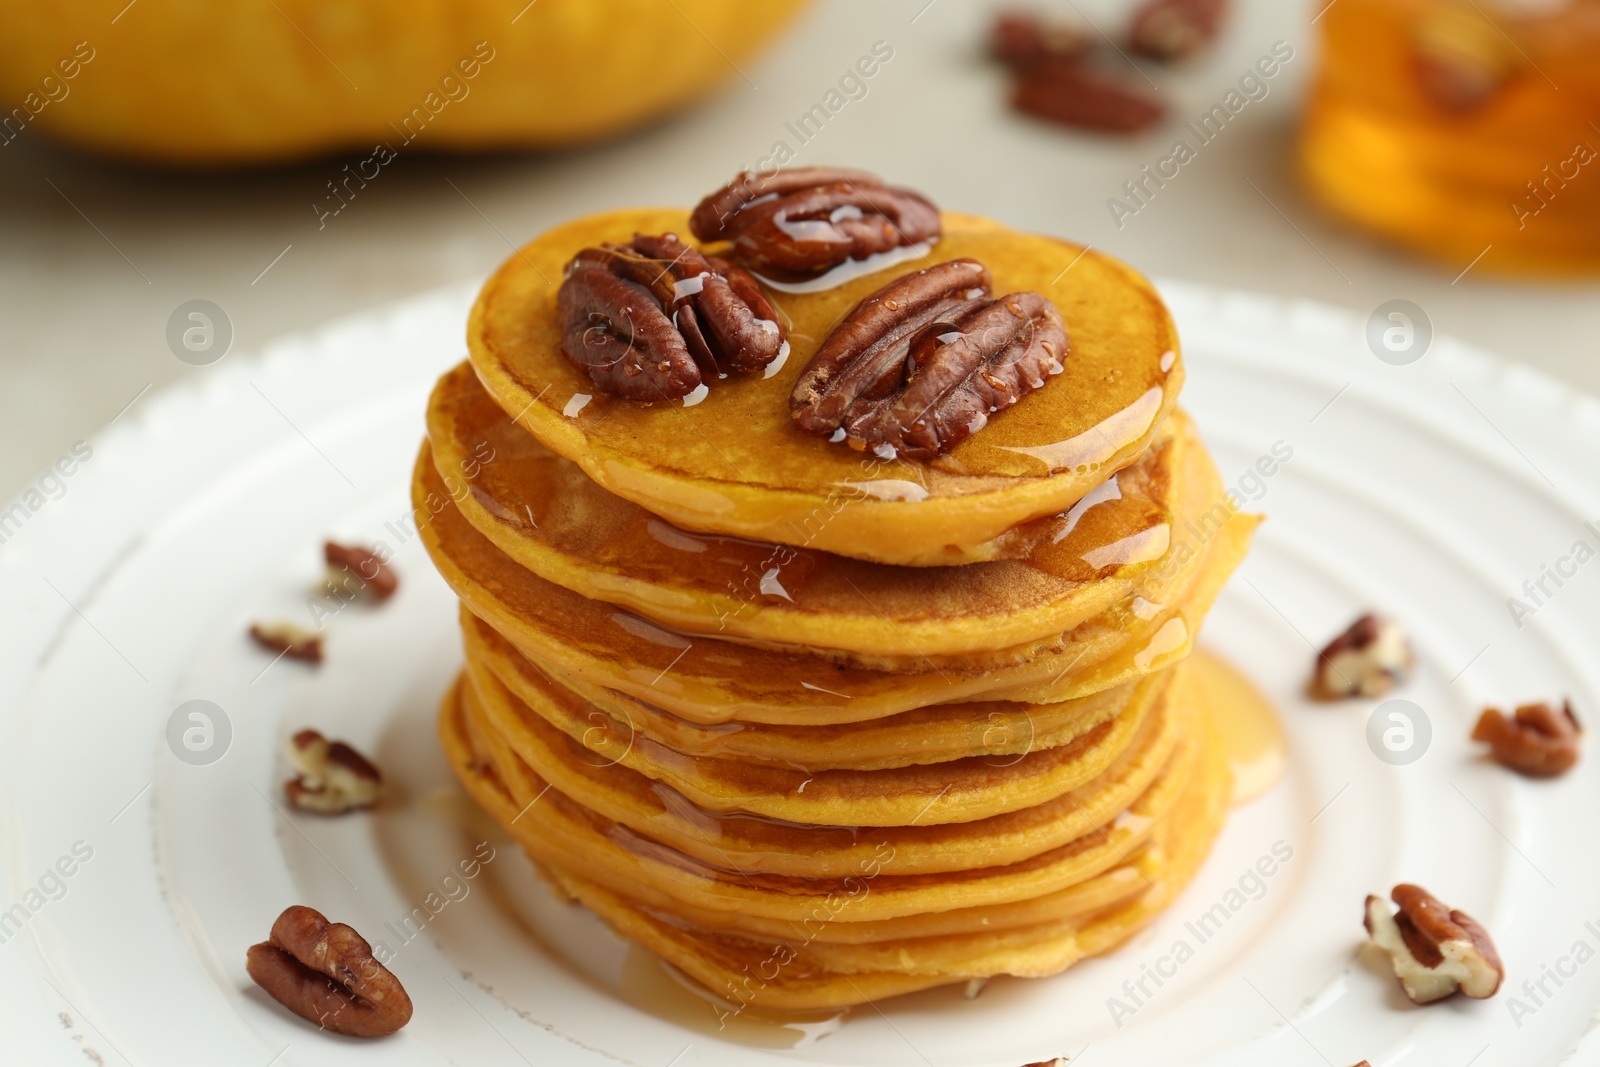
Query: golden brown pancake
(734, 464)
(749, 841)
(962, 790)
(998, 729)
(843, 950)
(714, 681)
(560, 832)
(544, 512)
(1200, 501)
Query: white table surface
(95, 257)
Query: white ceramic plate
(1431, 490)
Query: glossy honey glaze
(733, 463)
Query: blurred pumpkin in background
(237, 82)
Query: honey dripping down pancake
(818, 721)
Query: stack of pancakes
(817, 726)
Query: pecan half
(1022, 39)
(1368, 659)
(1538, 740)
(800, 223)
(362, 567)
(652, 319)
(1434, 949)
(324, 972)
(332, 777)
(1173, 29)
(922, 363)
(1076, 93)
(292, 641)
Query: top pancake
(735, 464)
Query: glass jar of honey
(1468, 130)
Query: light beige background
(94, 258)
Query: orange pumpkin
(227, 82)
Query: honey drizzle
(1245, 722)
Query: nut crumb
(291, 641)
(974, 987)
(1369, 659)
(332, 777)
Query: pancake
(734, 463)
(997, 729)
(736, 972)
(750, 842)
(962, 790)
(716, 681)
(1109, 888)
(544, 512)
(892, 618)
(564, 834)
(844, 950)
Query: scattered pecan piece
(1435, 950)
(1021, 39)
(332, 778)
(1455, 85)
(1173, 29)
(1369, 659)
(1537, 740)
(1074, 93)
(1460, 60)
(358, 566)
(800, 223)
(292, 641)
(652, 319)
(922, 363)
(1059, 1061)
(324, 972)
